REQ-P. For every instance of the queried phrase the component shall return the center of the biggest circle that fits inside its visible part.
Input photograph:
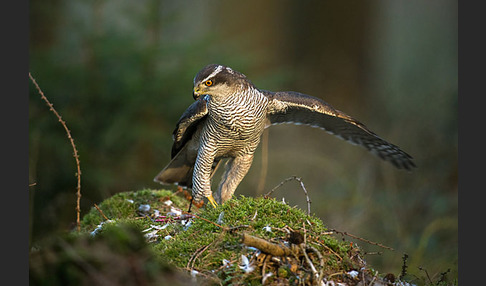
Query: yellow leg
(212, 201)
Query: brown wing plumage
(298, 108)
(186, 138)
(187, 124)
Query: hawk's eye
(208, 83)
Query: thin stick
(101, 212)
(75, 154)
(196, 254)
(301, 184)
(364, 240)
(426, 273)
(332, 251)
(267, 257)
(207, 220)
(309, 262)
(199, 251)
(404, 266)
(321, 261)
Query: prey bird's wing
(298, 108)
(188, 123)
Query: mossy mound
(146, 238)
(208, 244)
(216, 250)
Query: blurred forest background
(120, 73)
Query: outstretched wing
(298, 108)
(188, 123)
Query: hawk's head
(218, 80)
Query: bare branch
(301, 184)
(101, 212)
(266, 246)
(363, 239)
(75, 151)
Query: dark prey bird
(227, 120)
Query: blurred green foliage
(120, 74)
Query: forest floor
(147, 238)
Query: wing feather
(298, 108)
(188, 123)
(179, 171)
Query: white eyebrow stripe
(215, 72)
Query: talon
(212, 201)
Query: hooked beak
(196, 93)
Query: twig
(196, 255)
(374, 278)
(75, 154)
(267, 257)
(332, 251)
(373, 253)
(207, 220)
(266, 246)
(301, 184)
(101, 212)
(321, 261)
(443, 276)
(426, 273)
(309, 262)
(233, 228)
(404, 266)
(305, 234)
(200, 251)
(33, 184)
(362, 239)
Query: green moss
(210, 242)
(265, 218)
(123, 207)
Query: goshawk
(227, 120)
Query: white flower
(167, 237)
(130, 201)
(267, 228)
